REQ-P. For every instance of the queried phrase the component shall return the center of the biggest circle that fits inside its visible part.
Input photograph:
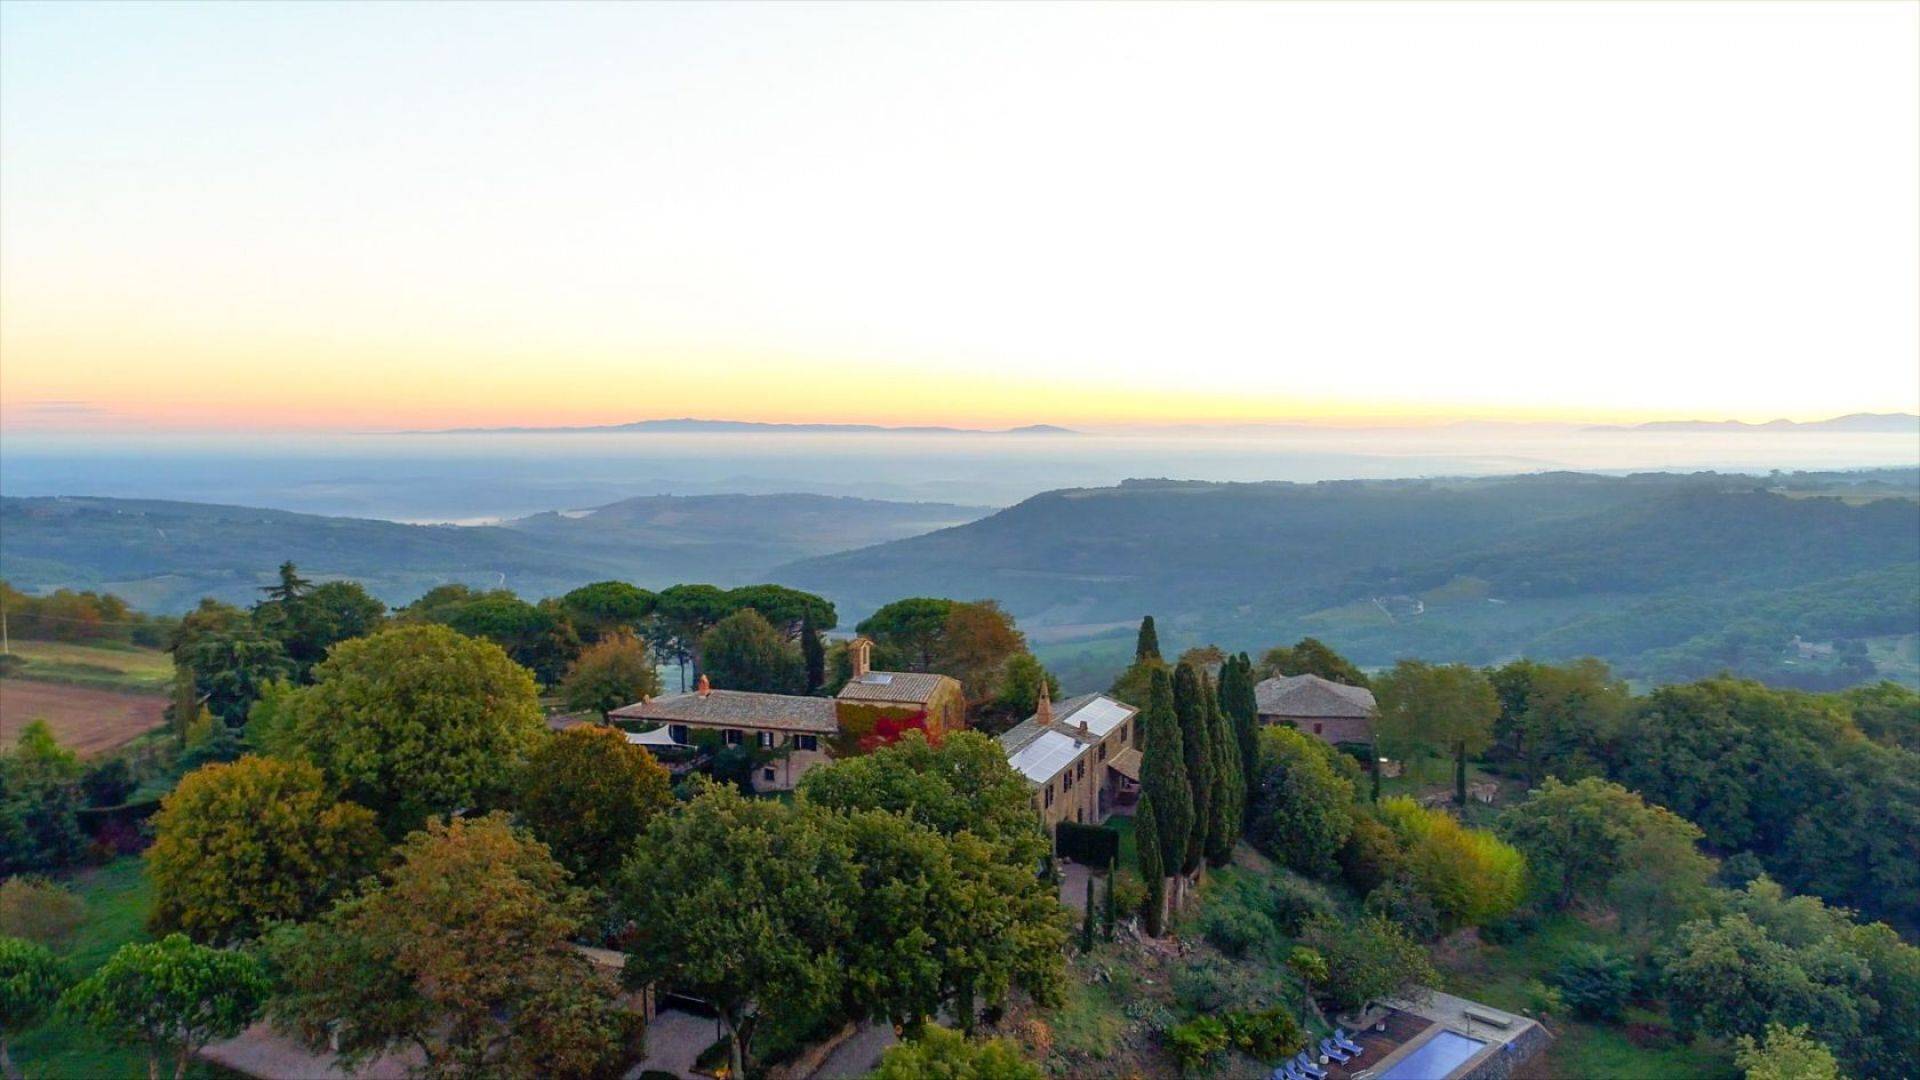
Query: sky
(318, 217)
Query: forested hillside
(1666, 576)
(164, 556)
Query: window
(767, 775)
(1103, 751)
(678, 733)
(1066, 780)
(732, 736)
(806, 742)
(1318, 728)
(1049, 793)
(1080, 770)
(766, 740)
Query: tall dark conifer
(1238, 702)
(1196, 744)
(1163, 774)
(812, 652)
(1224, 815)
(1147, 645)
(1146, 826)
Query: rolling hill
(1651, 572)
(163, 556)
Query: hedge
(1089, 845)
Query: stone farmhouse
(1082, 759)
(873, 709)
(1325, 709)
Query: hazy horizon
(483, 478)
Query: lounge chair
(1305, 1064)
(1286, 1071)
(1345, 1042)
(1338, 1054)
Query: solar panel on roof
(1101, 715)
(1045, 756)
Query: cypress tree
(1243, 715)
(1146, 827)
(1223, 826)
(1147, 645)
(1086, 924)
(1112, 914)
(1163, 774)
(812, 652)
(1196, 744)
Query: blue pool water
(1435, 1058)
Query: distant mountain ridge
(1873, 423)
(690, 425)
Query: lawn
(104, 667)
(1498, 975)
(117, 896)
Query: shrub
(1471, 876)
(1294, 902)
(1129, 892)
(35, 909)
(1211, 985)
(1236, 930)
(1308, 964)
(1267, 1035)
(1371, 856)
(1197, 1042)
(1595, 982)
(1368, 959)
(1403, 903)
(109, 783)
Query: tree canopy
(614, 671)
(1301, 806)
(1597, 840)
(744, 652)
(170, 997)
(1311, 656)
(417, 720)
(463, 951)
(240, 846)
(587, 792)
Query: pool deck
(1412, 1023)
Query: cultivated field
(86, 719)
(104, 667)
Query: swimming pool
(1434, 1059)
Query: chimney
(1085, 732)
(704, 688)
(1043, 709)
(860, 651)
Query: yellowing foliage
(238, 846)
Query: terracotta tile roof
(911, 686)
(1127, 763)
(737, 708)
(1312, 696)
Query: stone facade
(1080, 760)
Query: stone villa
(1325, 709)
(873, 709)
(1082, 759)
